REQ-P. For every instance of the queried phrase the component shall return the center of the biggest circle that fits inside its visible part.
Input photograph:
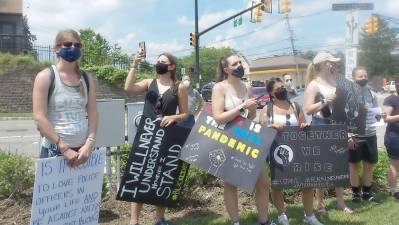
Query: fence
(15, 44)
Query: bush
(380, 171)
(10, 63)
(16, 174)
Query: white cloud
(335, 41)
(127, 42)
(210, 19)
(183, 20)
(156, 48)
(392, 7)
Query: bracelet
(91, 139)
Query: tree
(95, 48)
(28, 37)
(145, 67)
(309, 55)
(209, 58)
(375, 51)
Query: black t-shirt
(393, 101)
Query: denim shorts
(188, 123)
(391, 141)
(51, 151)
(316, 120)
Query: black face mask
(161, 68)
(238, 72)
(281, 94)
(362, 82)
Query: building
(263, 69)
(11, 26)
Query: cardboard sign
(154, 173)
(234, 152)
(348, 107)
(65, 195)
(310, 158)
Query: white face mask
(186, 83)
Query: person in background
(230, 99)
(319, 96)
(64, 104)
(391, 116)
(289, 84)
(277, 114)
(363, 147)
(195, 103)
(163, 97)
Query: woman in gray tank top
(64, 107)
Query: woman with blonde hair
(319, 97)
(64, 104)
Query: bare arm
(131, 85)
(310, 106)
(262, 115)
(92, 109)
(387, 115)
(252, 109)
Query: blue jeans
(51, 151)
(316, 120)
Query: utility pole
(352, 32)
(294, 51)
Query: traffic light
(372, 25)
(193, 39)
(284, 6)
(257, 15)
(267, 6)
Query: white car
(391, 86)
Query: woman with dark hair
(319, 97)
(64, 104)
(162, 98)
(391, 140)
(230, 99)
(278, 113)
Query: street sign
(352, 6)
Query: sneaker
(270, 222)
(356, 198)
(162, 222)
(312, 220)
(283, 219)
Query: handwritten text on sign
(65, 195)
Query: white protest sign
(67, 196)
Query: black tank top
(157, 105)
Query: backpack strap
(52, 85)
(269, 111)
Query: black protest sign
(234, 152)
(348, 107)
(311, 157)
(154, 173)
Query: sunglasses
(69, 44)
(288, 80)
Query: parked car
(261, 94)
(391, 86)
(206, 91)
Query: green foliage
(380, 171)
(11, 63)
(376, 50)
(16, 174)
(197, 178)
(29, 38)
(209, 58)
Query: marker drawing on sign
(216, 158)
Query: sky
(165, 25)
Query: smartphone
(260, 96)
(142, 48)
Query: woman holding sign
(280, 112)
(319, 96)
(230, 99)
(64, 104)
(391, 116)
(162, 98)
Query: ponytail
(311, 73)
(223, 63)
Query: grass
(384, 213)
(13, 114)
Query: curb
(15, 118)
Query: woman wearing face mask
(280, 112)
(162, 98)
(363, 147)
(195, 103)
(62, 97)
(319, 96)
(232, 98)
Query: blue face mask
(70, 54)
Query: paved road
(21, 136)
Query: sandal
(347, 210)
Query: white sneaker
(283, 219)
(312, 220)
